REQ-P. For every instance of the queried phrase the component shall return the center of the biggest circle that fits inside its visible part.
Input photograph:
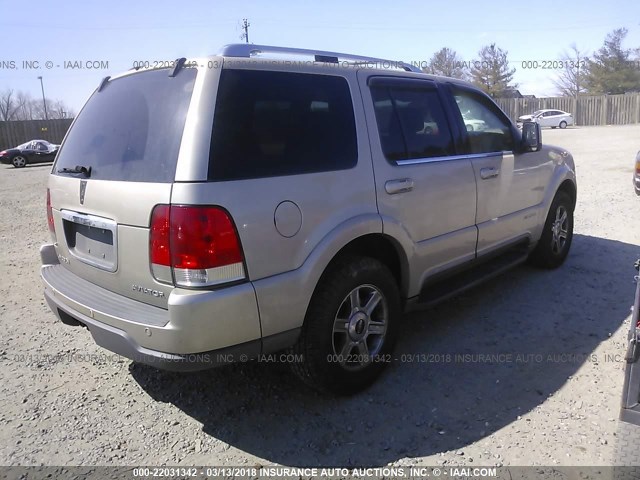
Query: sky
(113, 35)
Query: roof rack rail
(247, 50)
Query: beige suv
(267, 198)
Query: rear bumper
(118, 341)
(200, 329)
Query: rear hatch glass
(131, 129)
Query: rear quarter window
(270, 124)
(131, 130)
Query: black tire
(553, 127)
(19, 161)
(627, 452)
(324, 367)
(563, 124)
(550, 252)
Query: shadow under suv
(242, 204)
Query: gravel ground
(524, 370)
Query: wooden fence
(586, 110)
(14, 133)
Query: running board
(479, 271)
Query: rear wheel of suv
(554, 244)
(350, 327)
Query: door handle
(398, 186)
(489, 172)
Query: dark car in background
(34, 151)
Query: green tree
(613, 69)
(446, 62)
(491, 71)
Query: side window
(411, 122)
(488, 130)
(41, 146)
(270, 124)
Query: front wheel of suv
(350, 327)
(553, 246)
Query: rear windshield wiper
(86, 171)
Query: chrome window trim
(471, 156)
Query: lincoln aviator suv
(269, 198)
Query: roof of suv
(245, 50)
(310, 58)
(321, 58)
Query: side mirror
(531, 138)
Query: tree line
(22, 106)
(611, 70)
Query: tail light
(159, 253)
(52, 227)
(194, 246)
(638, 164)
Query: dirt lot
(525, 370)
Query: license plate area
(91, 239)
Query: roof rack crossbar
(246, 50)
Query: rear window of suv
(131, 130)
(270, 124)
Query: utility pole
(575, 120)
(245, 27)
(46, 117)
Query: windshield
(132, 129)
